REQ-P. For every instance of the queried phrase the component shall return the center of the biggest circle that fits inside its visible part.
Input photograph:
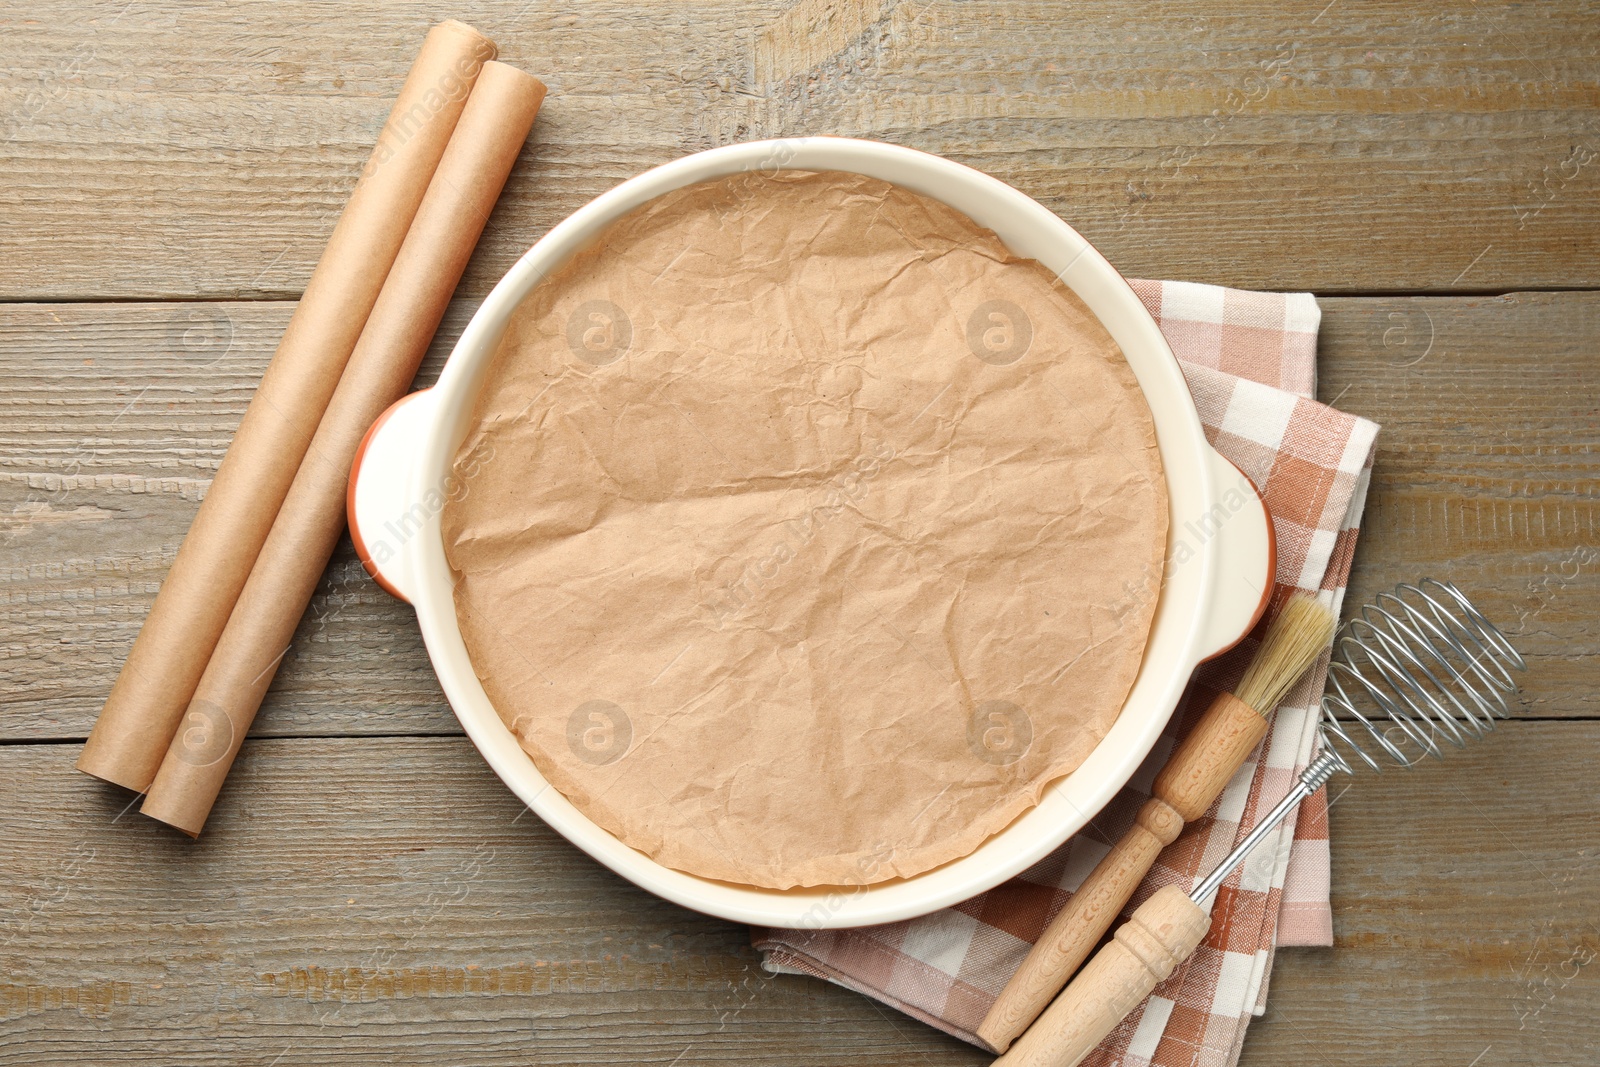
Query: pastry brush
(1195, 775)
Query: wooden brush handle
(1079, 926)
(1148, 947)
(1201, 766)
(1193, 778)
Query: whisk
(1419, 668)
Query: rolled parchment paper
(498, 117)
(142, 713)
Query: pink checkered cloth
(1250, 359)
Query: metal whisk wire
(1429, 662)
(1433, 666)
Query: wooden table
(367, 891)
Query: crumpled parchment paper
(806, 534)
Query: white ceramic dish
(1208, 601)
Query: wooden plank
(1488, 466)
(1351, 148)
(1465, 897)
(359, 901)
(356, 899)
(112, 418)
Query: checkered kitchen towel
(1250, 359)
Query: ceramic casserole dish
(1211, 595)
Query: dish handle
(1247, 554)
(384, 519)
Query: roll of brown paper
(142, 712)
(498, 117)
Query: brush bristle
(1296, 637)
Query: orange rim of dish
(362, 552)
(1272, 566)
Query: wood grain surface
(357, 899)
(368, 891)
(205, 150)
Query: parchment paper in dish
(805, 534)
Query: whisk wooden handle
(1193, 778)
(1147, 948)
